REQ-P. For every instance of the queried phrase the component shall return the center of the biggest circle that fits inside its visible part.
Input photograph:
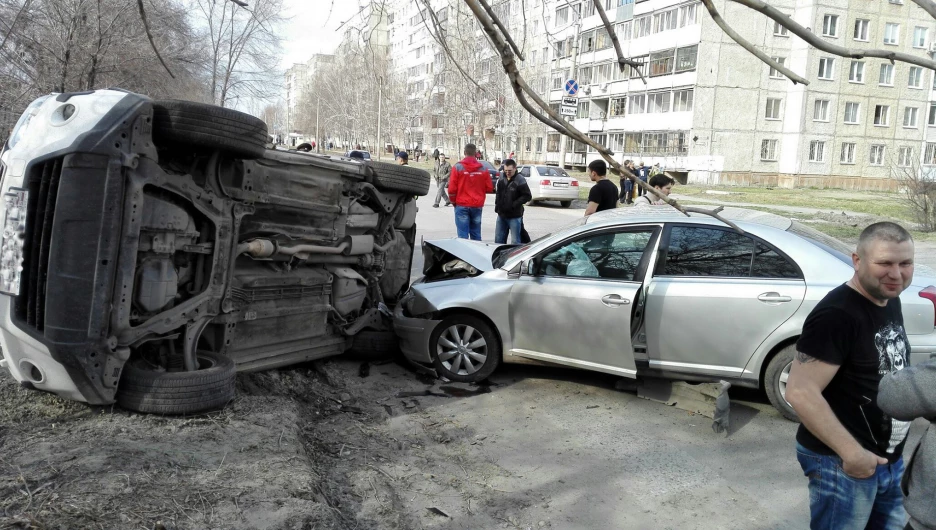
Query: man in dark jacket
(468, 186)
(512, 192)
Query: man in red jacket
(468, 186)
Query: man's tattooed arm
(803, 358)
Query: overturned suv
(150, 249)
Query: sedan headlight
(12, 242)
(23, 123)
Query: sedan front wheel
(465, 349)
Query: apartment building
(702, 107)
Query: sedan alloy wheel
(465, 348)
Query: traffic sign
(570, 102)
(571, 87)
(567, 111)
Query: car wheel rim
(784, 376)
(462, 350)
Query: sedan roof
(658, 214)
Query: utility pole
(318, 139)
(379, 98)
(564, 140)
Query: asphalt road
(608, 459)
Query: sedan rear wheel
(775, 381)
(465, 348)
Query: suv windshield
(828, 243)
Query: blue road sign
(571, 87)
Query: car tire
(482, 359)
(371, 345)
(198, 124)
(143, 389)
(775, 381)
(394, 177)
(565, 204)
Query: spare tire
(202, 125)
(394, 177)
(145, 389)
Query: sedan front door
(715, 297)
(577, 305)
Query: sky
(312, 30)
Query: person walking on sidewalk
(627, 186)
(849, 448)
(468, 186)
(511, 193)
(443, 172)
(907, 395)
(643, 173)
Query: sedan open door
(575, 302)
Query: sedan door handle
(614, 300)
(773, 298)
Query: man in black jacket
(512, 192)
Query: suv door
(576, 306)
(714, 297)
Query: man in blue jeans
(510, 194)
(847, 446)
(468, 187)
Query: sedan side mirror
(516, 271)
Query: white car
(548, 183)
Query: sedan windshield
(503, 254)
(547, 171)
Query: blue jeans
(505, 225)
(628, 188)
(468, 222)
(838, 501)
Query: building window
(881, 115)
(661, 63)
(638, 104)
(891, 33)
(861, 29)
(664, 20)
(600, 139)
(856, 72)
(773, 109)
(821, 110)
(588, 41)
(887, 75)
(658, 102)
(768, 150)
(589, 9)
(932, 115)
(562, 16)
(916, 77)
(641, 26)
(618, 107)
(623, 31)
(910, 117)
(826, 64)
(904, 156)
(848, 153)
(527, 144)
(830, 26)
(688, 15)
(539, 144)
(602, 39)
(851, 112)
(877, 155)
(617, 142)
(682, 100)
(583, 109)
(686, 58)
(775, 74)
(919, 37)
(929, 157)
(780, 31)
(816, 151)
(585, 75)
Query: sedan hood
(475, 253)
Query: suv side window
(697, 251)
(614, 256)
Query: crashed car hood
(475, 253)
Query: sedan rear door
(576, 303)
(714, 297)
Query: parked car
(153, 248)
(548, 183)
(491, 169)
(638, 291)
(359, 154)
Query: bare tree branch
(149, 35)
(927, 5)
(750, 47)
(622, 61)
(820, 44)
(503, 29)
(15, 18)
(521, 88)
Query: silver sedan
(638, 292)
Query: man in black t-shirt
(847, 446)
(604, 194)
